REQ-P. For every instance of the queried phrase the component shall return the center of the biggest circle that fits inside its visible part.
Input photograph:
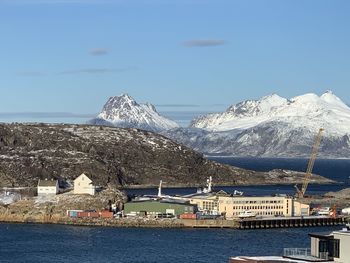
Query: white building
(332, 246)
(265, 206)
(325, 247)
(84, 185)
(48, 187)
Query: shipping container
(93, 214)
(73, 213)
(188, 216)
(82, 214)
(106, 214)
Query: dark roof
(47, 182)
(322, 234)
(177, 202)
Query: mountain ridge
(271, 126)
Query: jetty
(264, 223)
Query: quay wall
(177, 223)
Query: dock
(266, 223)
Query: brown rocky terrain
(54, 208)
(114, 156)
(340, 199)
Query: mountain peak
(257, 107)
(124, 100)
(331, 98)
(124, 111)
(273, 100)
(306, 98)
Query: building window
(334, 248)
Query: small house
(84, 185)
(48, 187)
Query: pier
(265, 223)
(310, 221)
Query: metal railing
(294, 252)
(303, 253)
(324, 255)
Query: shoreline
(267, 157)
(91, 222)
(174, 223)
(223, 185)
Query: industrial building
(156, 208)
(232, 206)
(265, 206)
(235, 205)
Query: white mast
(160, 189)
(209, 184)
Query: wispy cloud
(96, 71)
(31, 73)
(45, 115)
(178, 105)
(204, 43)
(50, 2)
(99, 51)
(188, 105)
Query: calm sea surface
(55, 243)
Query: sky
(200, 55)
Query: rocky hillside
(112, 156)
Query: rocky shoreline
(120, 222)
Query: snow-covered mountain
(305, 111)
(272, 126)
(123, 111)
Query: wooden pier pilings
(265, 223)
(290, 222)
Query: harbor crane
(301, 192)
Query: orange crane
(301, 192)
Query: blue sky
(70, 56)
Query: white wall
(344, 248)
(42, 190)
(83, 185)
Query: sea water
(56, 243)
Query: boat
(346, 211)
(325, 211)
(247, 214)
